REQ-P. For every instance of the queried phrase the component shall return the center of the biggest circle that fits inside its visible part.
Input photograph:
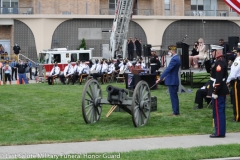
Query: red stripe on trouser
(217, 117)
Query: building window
(9, 3)
(112, 4)
(197, 5)
(167, 4)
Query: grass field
(195, 153)
(39, 113)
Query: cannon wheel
(141, 104)
(91, 108)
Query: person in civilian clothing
(14, 69)
(170, 76)
(30, 68)
(7, 70)
(22, 71)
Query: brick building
(37, 24)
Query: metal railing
(17, 10)
(221, 13)
(146, 12)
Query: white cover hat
(216, 47)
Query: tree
(83, 44)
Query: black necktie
(101, 70)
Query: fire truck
(47, 58)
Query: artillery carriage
(138, 105)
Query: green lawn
(39, 113)
(195, 153)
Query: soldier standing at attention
(234, 80)
(219, 91)
(154, 62)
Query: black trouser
(130, 54)
(51, 79)
(200, 95)
(95, 75)
(62, 78)
(14, 71)
(7, 76)
(139, 52)
(30, 70)
(1, 73)
(75, 77)
(236, 96)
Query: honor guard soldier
(219, 90)
(53, 74)
(154, 62)
(234, 80)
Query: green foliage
(83, 44)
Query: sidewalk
(117, 145)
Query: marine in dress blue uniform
(170, 76)
(219, 89)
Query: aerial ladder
(123, 15)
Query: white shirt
(235, 70)
(84, 69)
(129, 64)
(123, 67)
(111, 68)
(9, 70)
(75, 68)
(94, 67)
(101, 68)
(56, 71)
(69, 69)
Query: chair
(82, 77)
(110, 77)
(195, 13)
(29, 11)
(120, 76)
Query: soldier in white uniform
(234, 80)
(67, 73)
(53, 74)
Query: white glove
(214, 96)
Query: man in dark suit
(170, 75)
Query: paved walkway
(81, 148)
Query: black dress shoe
(197, 107)
(234, 120)
(215, 136)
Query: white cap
(216, 47)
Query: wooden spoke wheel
(141, 104)
(91, 98)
